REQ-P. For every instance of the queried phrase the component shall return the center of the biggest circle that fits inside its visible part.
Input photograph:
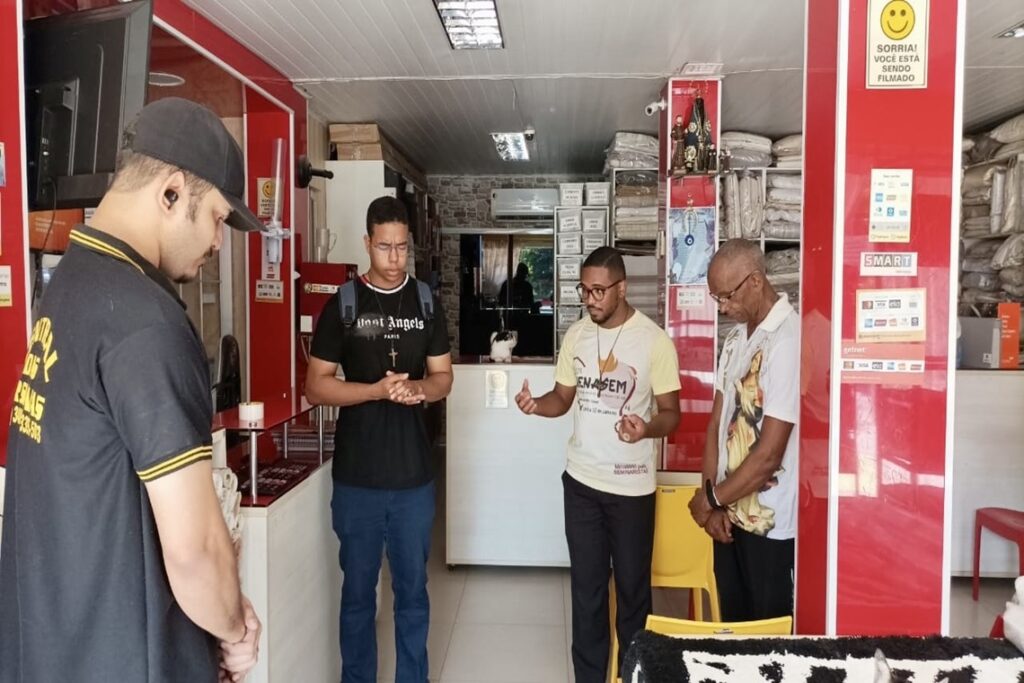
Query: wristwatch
(709, 493)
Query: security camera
(654, 107)
(529, 134)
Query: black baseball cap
(189, 136)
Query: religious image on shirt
(610, 390)
(744, 432)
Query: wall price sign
(891, 192)
(891, 315)
(270, 291)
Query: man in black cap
(116, 564)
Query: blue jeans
(368, 521)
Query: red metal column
(816, 310)
(887, 483)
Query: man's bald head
(739, 255)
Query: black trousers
(755, 577)
(605, 530)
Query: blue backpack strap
(426, 300)
(347, 303)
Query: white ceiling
(576, 70)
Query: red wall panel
(13, 318)
(892, 439)
(816, 312)
(271, 324)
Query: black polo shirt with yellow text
(115, 392)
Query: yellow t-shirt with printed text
(638, 362)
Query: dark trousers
(605, 530)
(368, 521)
(755, 577)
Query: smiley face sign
(897, 44)
(897, 19)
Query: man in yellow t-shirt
(619, 373)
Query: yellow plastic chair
(779, 626)
(683, 557)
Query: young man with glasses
(392, 343)
(619, 373)
(748, 503)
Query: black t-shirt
(115, 393)
(381, 444)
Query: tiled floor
(969, 618)
(513, 625)
(495, 624)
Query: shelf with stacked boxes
(579, 229)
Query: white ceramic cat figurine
(502, 344)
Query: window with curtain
(498, 252)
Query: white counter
(988, 465)
(503, 472)
(289, 568)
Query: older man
(748, 502)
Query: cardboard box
(1009, 346)
(980, 341)
(359, 151)
(343, 133)
(63, 221)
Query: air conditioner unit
(523, 203)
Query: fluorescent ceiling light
(511, 146)
(1015, 31)
(471, 24)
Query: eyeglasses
(722, 298)
(385, 248)
(596, 292)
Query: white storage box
(570, 221)
(598, 194)
(570, 245)
(567, 293)
(570, 194)
(594, 221)
(592, 242)
(569, 268)
(567, 315)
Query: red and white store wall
(873, 541)
(274, 110)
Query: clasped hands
(396, 387)
(715, 522)
(630, 429)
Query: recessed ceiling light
(471, 24)
(162, 79)
(511, 146)
(1015, 31)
